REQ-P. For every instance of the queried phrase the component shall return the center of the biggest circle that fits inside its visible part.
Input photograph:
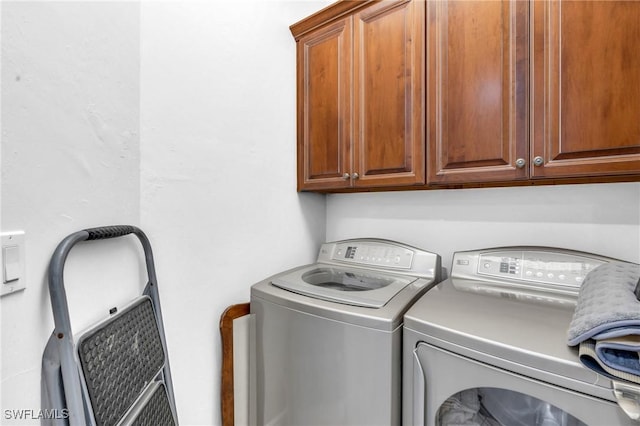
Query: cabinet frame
(312, 145)
(361, 155)
(457, 161)
(532, 146)
(369, 138)
(548, 75)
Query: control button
(397, 259)
(539, 274)
(529, 273)
(562, 276)
(550, 275)
(487, 265)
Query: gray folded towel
(622, 363)
(607, 306)
(606, 321)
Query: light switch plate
(13, 260)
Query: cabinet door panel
(477, 90)
(388, 95)
(324, 107)
(587, 86)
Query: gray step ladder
(117, 372)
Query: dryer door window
(445, 380)
(497, 407)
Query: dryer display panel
(537, 266)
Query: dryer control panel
(537, 266)
(531, 273)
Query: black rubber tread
(113, 231)
(157, 412)
(119, 359)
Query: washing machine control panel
(384, 256)
(374, 254)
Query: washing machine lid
(347, 285)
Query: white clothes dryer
(328, 346)
(488, 346)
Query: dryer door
(452, 389)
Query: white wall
(176, 116)
(600, 218)
(218, 171)
(70, 160)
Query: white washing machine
(328, 346)
(488, 346)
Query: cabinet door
(324, 107)
(477, 76)
(586, 110)
(388, 94)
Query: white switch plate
(13, 271)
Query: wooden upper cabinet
(324, 107)
(477, 77)
(388, 123)
(586, 96)
(360, 96)
(468, 92)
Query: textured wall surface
(70, 160)
(218, 171)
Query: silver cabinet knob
(355, 176)
(520, 163)
(346, 176)
(538, 161)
